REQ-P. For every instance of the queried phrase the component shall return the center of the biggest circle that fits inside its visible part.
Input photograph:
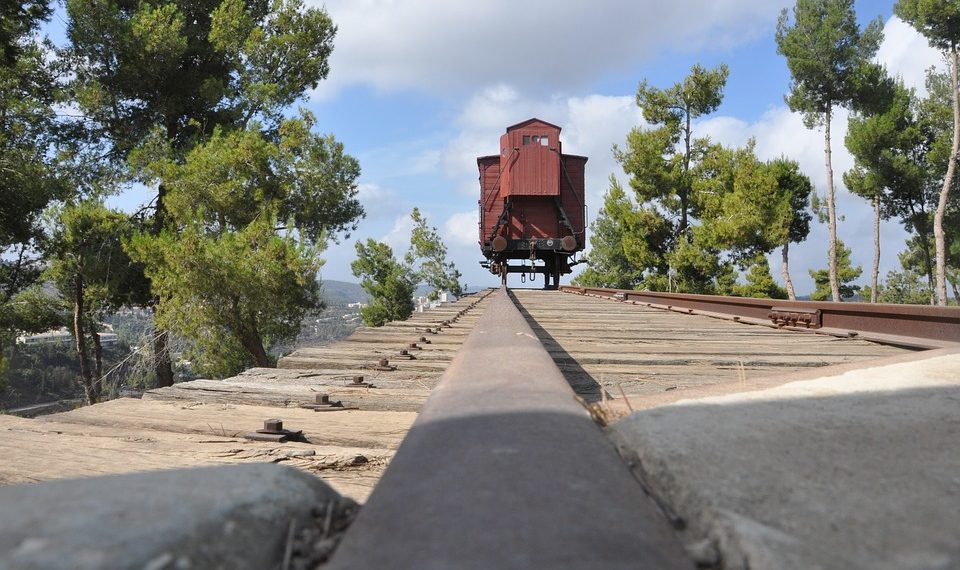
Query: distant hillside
(343, 292)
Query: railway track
(503, 469)
(501, 462)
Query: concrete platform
(860, 470)
(215, 517)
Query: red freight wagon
(531, 204)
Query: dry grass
(605, 411)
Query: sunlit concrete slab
(857, 470)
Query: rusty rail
(505, 469)
(913, 326)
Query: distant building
(58, 336)
(62, 336)
(423, 303)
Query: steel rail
(505, 469)
(913, 326)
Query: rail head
(913, 326)
(504, 469)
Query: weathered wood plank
(202, 422)
(605, 346)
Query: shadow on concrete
(802, 480)
(582, 382)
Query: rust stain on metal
(795, 317)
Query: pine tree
(427, 257)
(179, 70)
(846, 273)
(665, 166)
(797, 186)
(28, 177)
(888, 148)
(389, 283)
(252, 212)
(622, 244)
(939, 22)
(94, 276)
(825, 51)
(760, 283)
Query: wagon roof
(528, 121)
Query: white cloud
(906, 53)
(537, 45)
(591, 126)
(398, 238)
(377, 202)
(504, 78)
(462, 229)
(594, 124)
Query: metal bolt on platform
(273, 431)
(323, 398)
(359, 379)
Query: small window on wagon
(526, 139)
(544, 140)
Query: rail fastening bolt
(323, 398)
(273, 425)
(413, 345)
(359, 379)
(404, 352)
(423, 339)
(384, 362)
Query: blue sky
(418, 89)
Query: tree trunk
(685, 191)
(97, 356)
(876, 249)
(920, 225)
(785, 268)
(938, 233)
(161, 357)
(250, 339)
(161, 337)
(831, 208)
(86, 376)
